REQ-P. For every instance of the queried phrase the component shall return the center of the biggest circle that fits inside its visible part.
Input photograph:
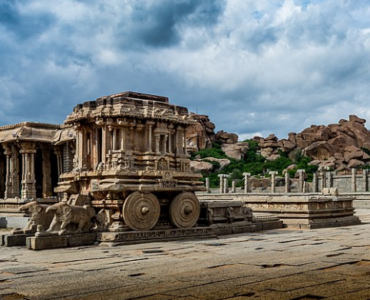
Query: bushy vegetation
(253, 163)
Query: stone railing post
(221, 176)
(300, 180)
(226, 184)
(246, 183)
(364, 178)
(323, 179)
(207, 185)
(287, 183)
(314, 183)
(233, 186)
(329, 181)
(354, 184)
(273, 173)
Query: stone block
(60, 241)
(12, 240)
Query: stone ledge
(60, 241)
(133, 237)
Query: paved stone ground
(332, 263)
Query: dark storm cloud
(158, 24)
(22, 24)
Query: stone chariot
(131, 163)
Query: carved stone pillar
(150, 135)
(247, 187)
(115, 139)
(185, 143)
(273, 173)
(123, 139)
(165, 137)
(8, 173)
(46, 174)
(171, 132)
(179, 140)
(157, 140)
(104, 144)
(58, 154)
(28, 166)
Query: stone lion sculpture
(65, 216)
(39, 216)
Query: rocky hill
(336, 146)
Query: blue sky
(255, 67)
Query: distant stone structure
(33, 156)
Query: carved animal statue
(38, 216)
(65, 215)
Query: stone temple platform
(327, 263)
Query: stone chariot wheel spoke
(184, 210)
(141, 211)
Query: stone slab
(13, 220)
(60, 241)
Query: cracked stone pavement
(330, 263)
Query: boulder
(222, 161)
(353, 118)
(226, 138)
(236, 151)
(201, 134)
(201, 166)
(354, 163)
(318, 150)
(352, 152)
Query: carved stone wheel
(184, 210)
(141, 211)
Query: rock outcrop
(201, 135)
(226, 138)
(335, 146)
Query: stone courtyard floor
(330, 263)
